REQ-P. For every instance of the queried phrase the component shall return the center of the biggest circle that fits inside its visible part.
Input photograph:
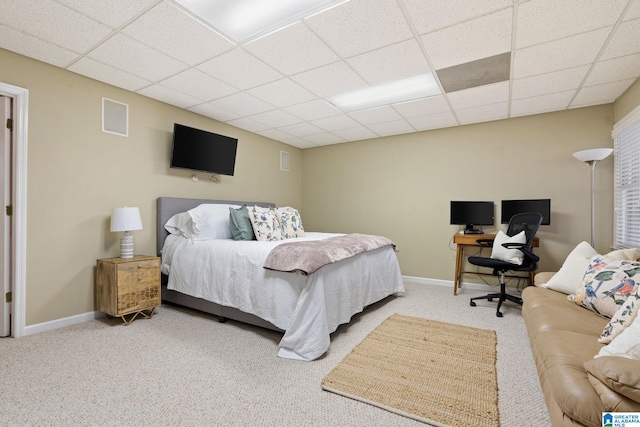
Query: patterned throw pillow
(606, 285)
(265, 223)
(290, 223)
(623, 317)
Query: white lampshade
(125, 219)
(593, 154)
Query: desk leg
(456, 278)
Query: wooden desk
(464, 241)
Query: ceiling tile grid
(564, 54)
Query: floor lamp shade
(591, 157)
(126, 219)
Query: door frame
(18, 247)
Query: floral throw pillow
(606, 285)
(290, 223)
(623, 317)
(265, 223)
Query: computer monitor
(512, 207)
(471, 213)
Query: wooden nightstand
(128, 286)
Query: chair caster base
(472, 304)
(490, 299)
(499, 314)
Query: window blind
(626, 137)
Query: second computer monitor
(512, 207)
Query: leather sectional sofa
(578, 388)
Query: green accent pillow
(241, 228)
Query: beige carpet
(435, 372)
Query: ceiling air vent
(476, 73)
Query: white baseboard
(447, 283)
(61, 323)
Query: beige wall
(401, 186)
(77, 174)
(627, 102)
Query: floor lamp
(591, 157)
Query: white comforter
(308, 308)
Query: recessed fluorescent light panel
(409, 89)
(245, 20)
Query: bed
(227, 278)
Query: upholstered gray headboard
(169, 206)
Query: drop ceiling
(562, 55)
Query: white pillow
(569, 277)
(499, 252)
(211, 221)
(180, 223)
(627, 344)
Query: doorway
(6, 123)
(16, 244)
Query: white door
(5, 225)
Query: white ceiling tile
(330, 79)
(243, 104)
(422, 107)
(53, 22)
(601, 94)
(431, 15)
(395, 127)
(170, 30)
(113, 13)
(106, 73)
(331, 124)
(323, 139)
(214, 112)
(276, 118)
(249, 124)
(199, 85)
(275, 134)
(295, 141)
(480, 95)
(376, 115)
(276, 49)
(623, 68)
(433, 121)
(540, 104)
(481, 38)
(301, 129)
(625, 41)
(240, 69)
(483, 113)
(633, 12)
(541, 21)
(313, 110)
(28, 45)
(129, 55)
(544, 84)
(560, 54)
(390, 63)
(355, 134)
(282, 93)
(355, 27)
(170, 96)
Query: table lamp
(126, 219)
(591, 157)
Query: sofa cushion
(619, 374)
(570, 275)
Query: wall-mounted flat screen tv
(512, 207)
(470, 214)
(203, 151)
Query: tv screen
(203, 151)
(512, 207)
(471, 213)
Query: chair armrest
(524, 249)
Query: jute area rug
(435, 372)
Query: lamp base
(126, 245)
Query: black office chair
(529, 222)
